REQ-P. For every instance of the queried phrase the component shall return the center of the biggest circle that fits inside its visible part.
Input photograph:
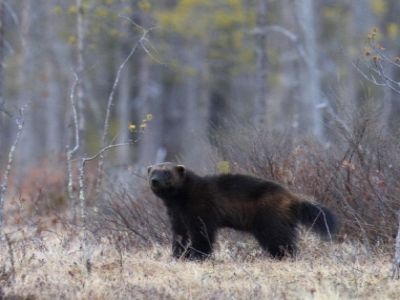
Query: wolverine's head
(165, 177)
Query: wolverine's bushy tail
(319, 218)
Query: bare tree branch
(287, 33)
(82, 200)
(111, 97)
(376, 67)
(4, 184)
(100, 153)
(81, 179)
(11, 12)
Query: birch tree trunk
(2, 23)
(173, 111)
(284, 113)
(79, 69)
(197, 111)
(10, 162)
(311, 115)
(123, 112)
(392, 103)
(53, 101)
(3, 115)
(150, 140)
(150, 145)
(260, 106)
(28, 153)
(53, 117)
(396, 263)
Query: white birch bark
(396, 263)
(197, 110)
(148, 143)
(10, 161)
(26, 154)
(52, 111)
(311, 114)
(75, 135)
(123, 112)
(260, 107)
(4, 114)
(81, 107)
(2, 103)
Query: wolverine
(199, 205)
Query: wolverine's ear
(180, 169)
(149, 169)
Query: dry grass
(51, 267)
(130, 233)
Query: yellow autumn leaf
(101, 12)
(132, 127)
(223, 166)
(57, 9)
(379, 7)
(72, 39)
(145, 5)
(72, 9)
(126, 10)
(114, 32)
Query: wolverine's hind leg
(276, 237)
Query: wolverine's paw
(178, 252)
(196, 255)
(178, 256)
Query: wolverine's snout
(155, 182)
(160, 180)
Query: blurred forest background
(299, 91)
(302, 92)
(211, 67)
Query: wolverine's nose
(155, 182)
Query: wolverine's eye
(167, 175)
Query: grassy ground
(51, 268)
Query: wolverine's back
(198, 206)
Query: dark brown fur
(199, 206)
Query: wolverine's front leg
(180, 235)
(202, 235)
(180, 244)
